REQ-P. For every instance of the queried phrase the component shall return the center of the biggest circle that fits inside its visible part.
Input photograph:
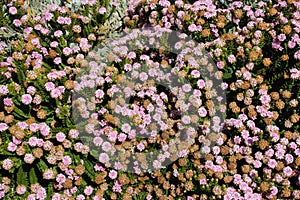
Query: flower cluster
(75, 122)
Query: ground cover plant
(79, 123)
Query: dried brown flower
(189, 185)
(246, 169)
(284, 57)
(224, 150)
(286, 94)
(238, 13)
(182, 162)
(38, 152)
(274, 95)
(21, 150)
(263, 144)
(217, 190)
(41, 114)
(68, 184)
(264, 186)
(297, 161)
(288, 124)
(78, 181)
(286, 192)
(205, 32)
(100, 178)
(279, 166)
(52, 53)
(295, 118)
(273, 11)
(79, 169)
(280, 104)
(69, 84)
(228, 179)
(267, 62)
(123, 179)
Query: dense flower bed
(253, 154)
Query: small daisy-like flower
(102, 10)
(113, 174)
(7, 164)
(103, 158)
(3, 127)
(28, 158)
(48, 174)
(13, 10)
(26, 99)
(60, 137)
(21, 189)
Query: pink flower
(113, 174)
(257, 164)
(270, 152)
(26, 99)
(11, 147)
(3, 127)
(13, 10)
(126, 128)
(192, 28)
(220, 65)
(60, 137)
(32, 141)
(231, 59)
(17, 22)
(297, 55)
(31, 90)
(54, 44)
(289, 158)
(131, 55)
(201, 83)
(202, 112)
(117, 187)
(103, 158)
(21, 189)
(34, 127)
(31, 197)
(102, 10)
(67, 160)
(272, 163)
(57, 60)
(143, 76)
(287, 171)
(140, 146)
(106, 146)
(156, 164)
(281, 37)
(113, 136)
(186, 88)
(55, 93)
(28, 158)
(60, 20)
(48, 174)
(122, 137)
(88, 190)
(67, 51)
(97, 141)
(186, 119)
(99, 94)
(60, 178)
(73, 133)
(7, 164)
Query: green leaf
(32, 176)
(19, 113)
(20, 176)
(42, 165)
